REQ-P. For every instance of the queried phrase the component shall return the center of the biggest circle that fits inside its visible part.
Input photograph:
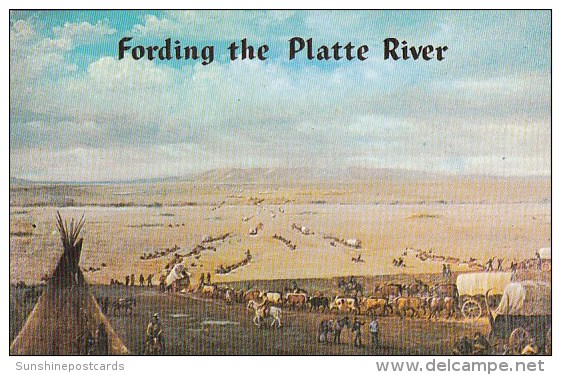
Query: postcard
(280, 182)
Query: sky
(78, 113)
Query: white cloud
(83, 32)
(21, 31)
(110, 73)
(225, 25)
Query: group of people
(202, 279)
(222, 270)
(446, 271)
(130, 280)
(489, 264)
(334, 328)
(399, 262)
(479, 345)
(159, 253)
(373, 329)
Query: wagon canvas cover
(545, 252)
(527, 298)
(478, 283)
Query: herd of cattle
(415, 300)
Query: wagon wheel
(471, 309)
(518, 340)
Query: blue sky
(77, 113)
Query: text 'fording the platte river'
(298, 48)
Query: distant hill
(283, 176)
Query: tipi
(67, 319)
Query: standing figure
(500, 264)
(202, 280)
(149, 280)
(373, 328)
(141, 279)
(489, 265)
(356, 330)
(162, 283)
(323, 330)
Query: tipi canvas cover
(67, 319)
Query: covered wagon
(543, 256)
(178, 278)
(473, 286)
(523, 315)
(544, 253)
(353, 242)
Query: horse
(238, 295)
(251, 295)
(154, 346)
(263, 312)
(357, 259)
(296, 299)
(316, 302)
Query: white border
(262, 365)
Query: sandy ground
(117, 236)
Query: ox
(345, 304)
(438, 305)
(405, 304)
(374, 305)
